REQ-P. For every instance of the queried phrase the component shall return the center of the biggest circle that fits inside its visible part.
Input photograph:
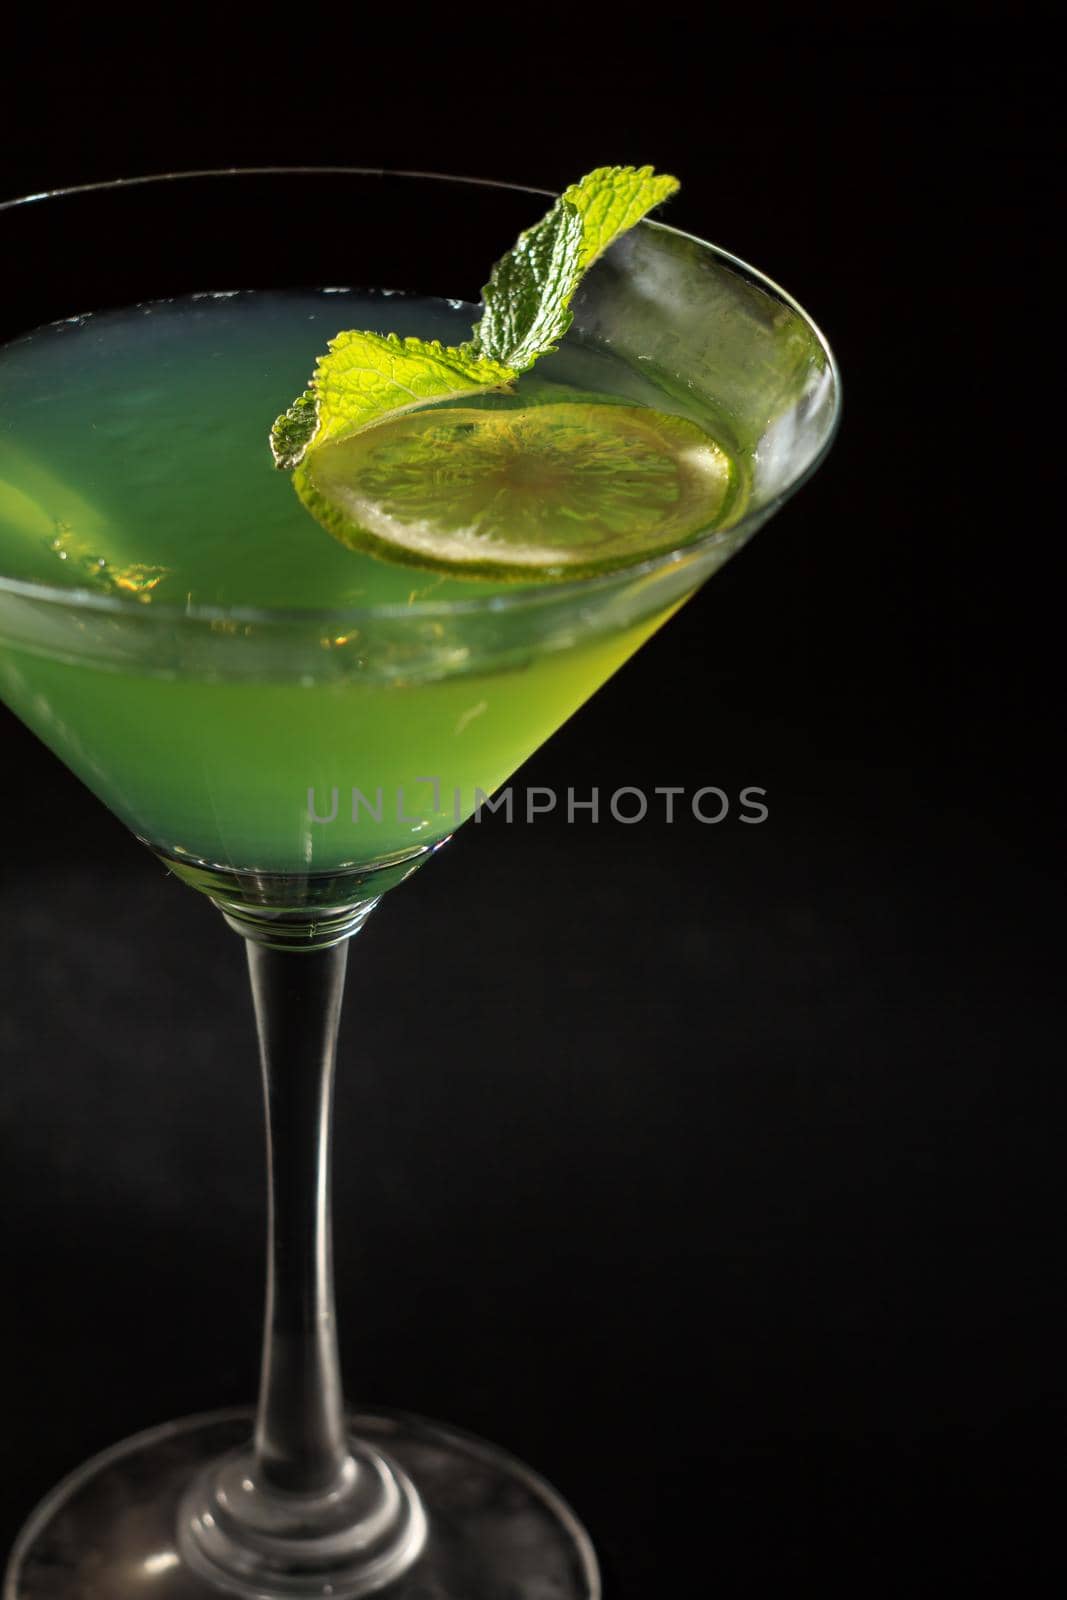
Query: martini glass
(198, 724)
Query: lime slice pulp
(542, 492)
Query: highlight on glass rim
(261, 541)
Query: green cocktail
(133, 464)
(294, 710)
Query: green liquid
(134, 461)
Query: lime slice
(544, 492)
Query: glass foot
(495, 1531)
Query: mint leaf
(527, 299)
(612, 200)
(294, 430)
(367, 376)
(528, 294)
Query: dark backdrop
(711, 1169)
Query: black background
(712, 1170)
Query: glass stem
(301, 1442)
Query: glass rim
(524, 594)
